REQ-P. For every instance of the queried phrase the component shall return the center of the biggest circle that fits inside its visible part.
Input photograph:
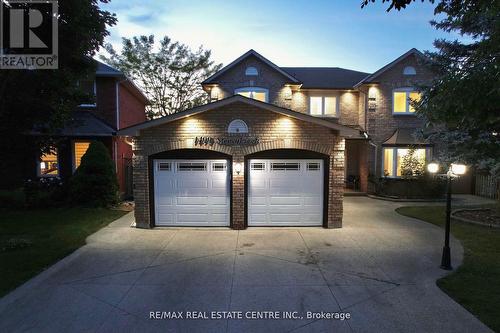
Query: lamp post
(454, 171)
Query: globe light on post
(433, 167)
(458, 169)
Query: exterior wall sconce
(455, 170)
(287, 92)
(238, 167)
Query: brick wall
(106, 100)
(270, 79)
(381, 123)
(274, 131)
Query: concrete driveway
(380, 268)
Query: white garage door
(285, 193)
(191, 193)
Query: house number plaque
(226, 141)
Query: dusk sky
(334, 33)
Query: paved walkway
(380, 268)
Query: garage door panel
(192, 184)
(286, 193)
(285, 201)
(192, 193)
(218, 201)
(191, 200)
(258, 201)
(166, 217)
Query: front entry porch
(357, 167)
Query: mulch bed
(488, 216)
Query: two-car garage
(197, 192)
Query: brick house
(117, 104)
(276, 146)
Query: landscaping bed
(486, 216)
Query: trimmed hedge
(423, 187)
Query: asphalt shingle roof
(325, 77)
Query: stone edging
(403, 200)
(462, 219)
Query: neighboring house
(277, 145)
(117, 104)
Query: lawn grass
(476, 283)
(32, 240)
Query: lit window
(79, 149)
(388, 162)
(323, 106)
(394, 160)
(402, 99)
(251, 71)
(48, 165)
(260, 94)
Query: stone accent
(274, 131)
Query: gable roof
(212, 79)
(372, 77)
(106, 70)
(405, 137)
(344, 131)
(81, 123)
(326, 77)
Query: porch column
(336, 184)
(238, 197)
(363, 166)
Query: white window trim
(39, 170)
(93, 105)
(253, 89)
(408, 91)
(428, 157)
(337, 107)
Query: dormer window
(409, 70)
(260, 94)
(251, 71)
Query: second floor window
(88, 87)
(260, 94)
(401, 100)
(323, 106)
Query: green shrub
(419, 187)
(44, 193)
(94, 182)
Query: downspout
(376, 154)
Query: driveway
(380, 268)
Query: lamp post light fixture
(454, 171)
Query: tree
(170, 76)
(412, 165)
(45, 98)
(463, 103)
(94, 182)
(396, 4)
